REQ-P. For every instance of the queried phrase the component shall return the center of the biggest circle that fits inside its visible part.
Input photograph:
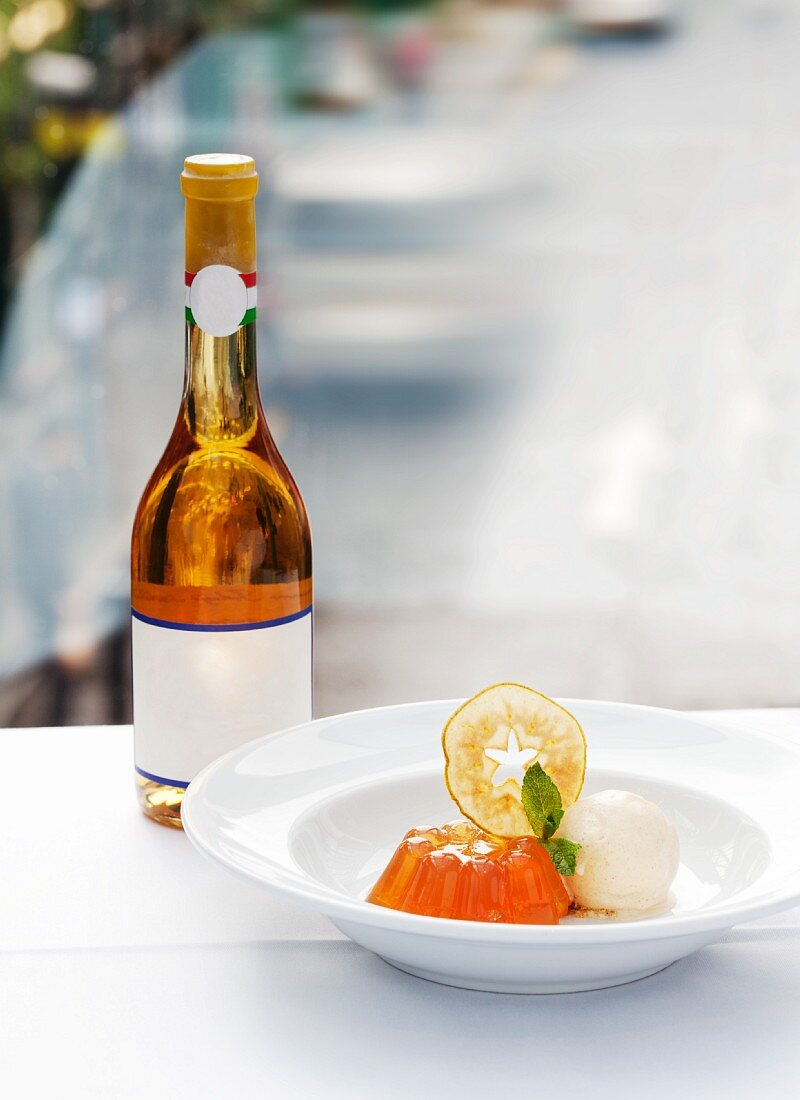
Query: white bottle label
(200, 691)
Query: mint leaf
(563, 854)
(541, 802)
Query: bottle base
(159, 802)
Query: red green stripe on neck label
(220, 299)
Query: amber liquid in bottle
(221, 548)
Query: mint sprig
(563, 854)
(541, 801)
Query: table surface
(130, 962)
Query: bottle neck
(221, 400)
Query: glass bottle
(221, 550)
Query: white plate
(314, 813)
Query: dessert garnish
(541, 801)
(491, 740)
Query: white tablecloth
(130, 965)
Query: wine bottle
(221, 548)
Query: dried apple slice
(493, 738)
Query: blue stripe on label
(229, 626)
(164, 782)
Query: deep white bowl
(314, 813)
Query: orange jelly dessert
(459, 871)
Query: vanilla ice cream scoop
(629, 852)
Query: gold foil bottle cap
(219, 177)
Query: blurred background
(531, 274)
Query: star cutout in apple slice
(511, 761)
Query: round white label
(218, 300)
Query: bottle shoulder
(222, 474)
(221, 513)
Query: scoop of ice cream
(629, 851)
